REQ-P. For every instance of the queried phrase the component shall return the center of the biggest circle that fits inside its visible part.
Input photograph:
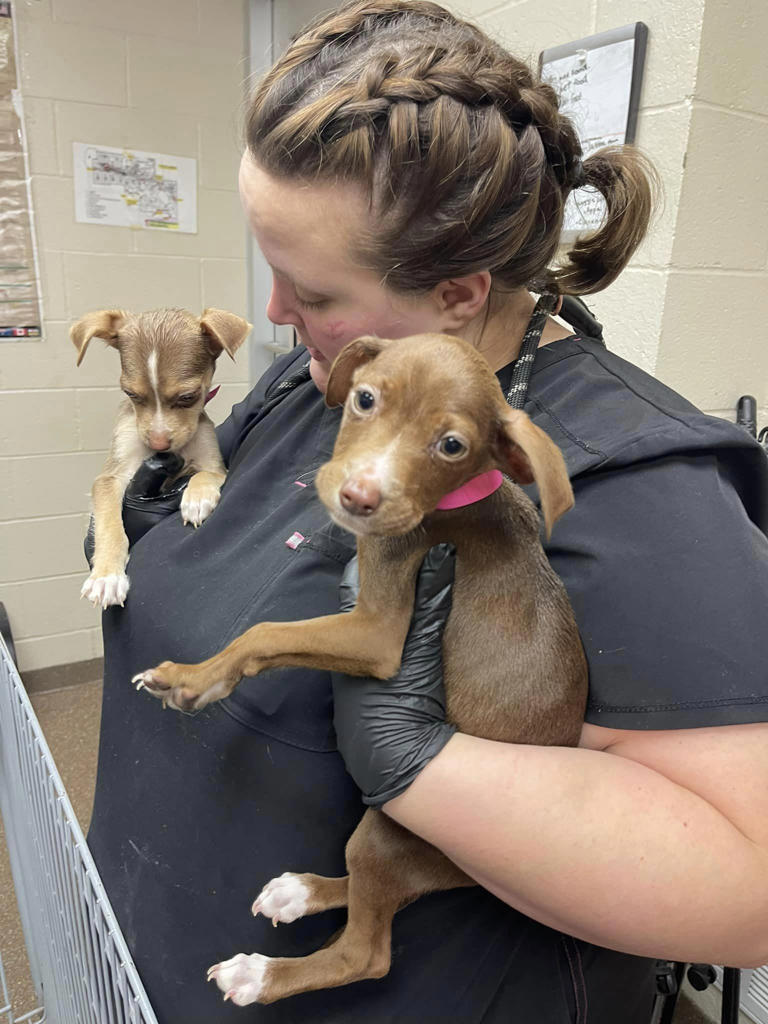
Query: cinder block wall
(164, 76)
(685, 308)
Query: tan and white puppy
(167, 358)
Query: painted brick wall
(685, 308)
(166, 76)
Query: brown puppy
(167, 358)
(423, 417)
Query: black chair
(670, 976)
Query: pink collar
(473, 490)
(211, 394)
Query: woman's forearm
(595, 845)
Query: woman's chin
(318, 371)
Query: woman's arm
(653, 843)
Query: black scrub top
(665, 563)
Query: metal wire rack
(81, 968)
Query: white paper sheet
(594, 87)
(134, 189)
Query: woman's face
(305, 233)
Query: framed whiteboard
(598, 80)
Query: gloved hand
(145, 502)
(387, 730)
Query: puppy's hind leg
(388, 868)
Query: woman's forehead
(296, 217)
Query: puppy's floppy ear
(528, 454)
(224, 331)
(102, 323)
(355, 354)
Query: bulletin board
(598, 80)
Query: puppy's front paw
(243, 979)
(198, 501)
(106, 590)
(182, 687)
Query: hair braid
(464, 153)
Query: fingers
(433, 583)
(349, 588)
(434, 587)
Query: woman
(405, 174)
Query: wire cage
(80, 964)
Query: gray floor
(70, 720)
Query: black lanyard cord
(521, 372)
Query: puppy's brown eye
(364, 400)
(134, 397)
(451, 447)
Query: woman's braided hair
(463, 152)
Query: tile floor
(70, 720)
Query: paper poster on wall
(598, 80)
(133, 189)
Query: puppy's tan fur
(167, 359)
(513, 662)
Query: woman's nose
(279, 309)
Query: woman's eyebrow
(296, 284)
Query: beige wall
(711, 343)
(165, 76)
(685, 308)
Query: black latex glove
(148, 498)
(387, 730)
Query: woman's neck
(499, 330)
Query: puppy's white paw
(243, 979)
(197, 503)
(283, 899)
(106, 590)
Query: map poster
(132, 189)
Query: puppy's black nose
(360, 497)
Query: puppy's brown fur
(513, 662)
(167, 359)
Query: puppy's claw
(197, 505)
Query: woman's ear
(355, 354)
(527, 454)
(460, 299)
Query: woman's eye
(307, 304)
(364, 400)
(452, 447)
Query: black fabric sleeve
(668, 577)
(231, 430)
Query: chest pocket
(332, 541)
(294, 705)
